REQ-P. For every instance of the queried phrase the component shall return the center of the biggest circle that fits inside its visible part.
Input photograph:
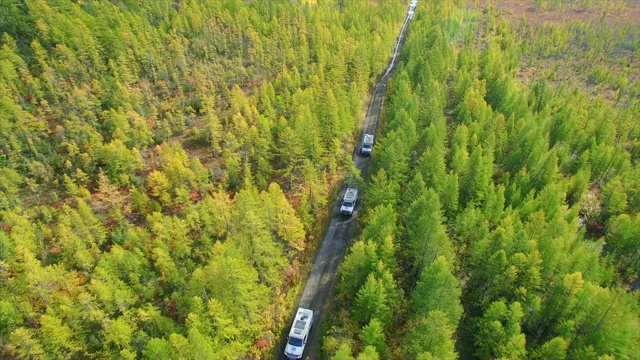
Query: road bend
(341, 228)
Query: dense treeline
(501, 219)
(163, 166)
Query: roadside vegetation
(165, 167)
(501, 217)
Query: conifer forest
(168, 170)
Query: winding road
(341, 229)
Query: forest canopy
(501, 217)
(164, 167)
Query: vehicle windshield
(295, 341)
(367, 145)
(347, 204)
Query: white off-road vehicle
(299, 333)
(367, 144)
(349, 201)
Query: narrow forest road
(341, 228)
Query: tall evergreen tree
(426, 236)
(437, 289)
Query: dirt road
(341, 228)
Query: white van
(349, 201)
(367, 144)
(299, 333)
